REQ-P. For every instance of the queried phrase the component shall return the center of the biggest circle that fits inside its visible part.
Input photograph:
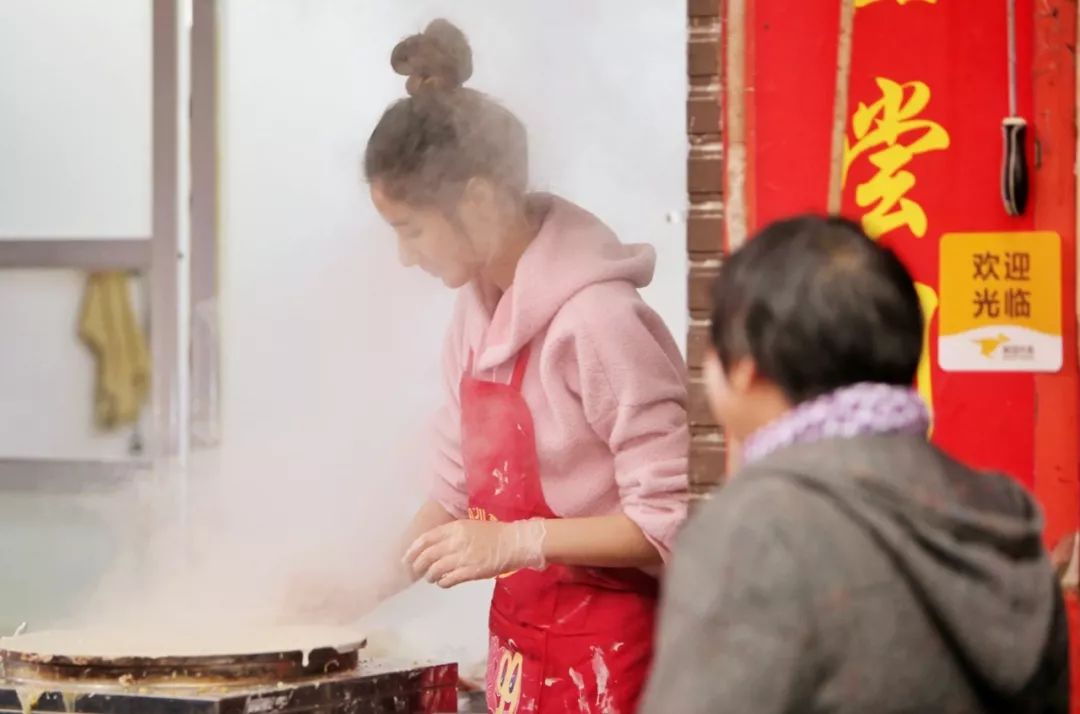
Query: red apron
(562, 639)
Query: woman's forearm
(599, 542)
(430, 515)
(399, 575)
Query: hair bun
(437, 58)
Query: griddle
(330, 680)
(262, 668)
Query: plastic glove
(476, 550)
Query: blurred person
(561, 451)
(849, 565)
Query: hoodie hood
(572, 251)
(969, 544)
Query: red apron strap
(520, 365)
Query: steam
(318, 473)
(330, 350)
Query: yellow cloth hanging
(108, 327)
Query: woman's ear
(480, 196)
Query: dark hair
(428, 145)
(817, 306)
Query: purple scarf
(858, 410)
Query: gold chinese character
(864, 3)
(879, 130)
(985, 266)
(987, 303)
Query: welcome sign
(1001, 302)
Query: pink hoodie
(605, 383)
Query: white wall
(47, 374)
(75, 127)
(75, 155)
(75, 134)
(330, 349)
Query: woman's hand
(461, 551)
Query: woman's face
(430, 239)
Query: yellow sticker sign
(1000, 308)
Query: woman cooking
(560, 466)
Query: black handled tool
(1014, 171)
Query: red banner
(927, 93)
(928, 90)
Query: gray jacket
(872, 575)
